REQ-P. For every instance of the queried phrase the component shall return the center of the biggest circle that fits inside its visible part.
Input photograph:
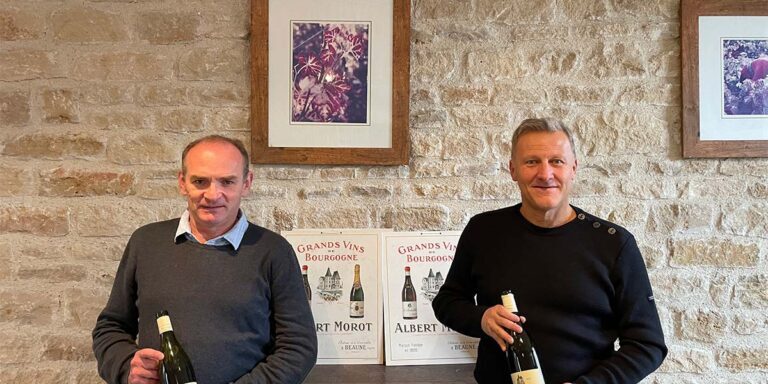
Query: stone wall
(98, 97)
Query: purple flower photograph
(330, 73)
(745, 76)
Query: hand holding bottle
(145, 366)
(496, 322)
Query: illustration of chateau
(431, 284)
(329, 286)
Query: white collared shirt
(232, 237)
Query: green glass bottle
(522, 362)
(356, 297)
(176, 367)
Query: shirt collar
(232, 237)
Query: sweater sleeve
(295, 341)
(114, 336)
(641, 341)
(454, 304)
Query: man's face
(214, 185)
(544, 168)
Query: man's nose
(211, 193)
(544, 171)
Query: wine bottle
(356, 297)
(409, 297)
(522, 362)
(307, 290)
(176, 367)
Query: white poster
(342, 282)
(415, 264)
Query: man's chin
(547, 204)
(209, 217)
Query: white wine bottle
(356, 297)
(176, 367)
(409, 297)
(522, 362)
(307, 289)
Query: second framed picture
(725, 78)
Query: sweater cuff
(478, 322)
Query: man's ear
(512, 170)
(247, 182)
(575, 167)
(182, 186)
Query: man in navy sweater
(579, 280)
(233, 290)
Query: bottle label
(531, 376)
(409, 309)
(509, 303)
(356, 308)
(164, 324)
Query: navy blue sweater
(580, 286)
(241, 316)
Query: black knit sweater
(580, 286)
(241, 316)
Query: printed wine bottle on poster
(409, 297)
(307, 290)
(176, 367)
(522, 362)
(356, 297)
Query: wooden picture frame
(695, 144)
(392, 151)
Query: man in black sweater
(233, 290)
(579, 280)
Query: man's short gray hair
(217, 139)
(541, 125)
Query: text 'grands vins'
(429, 249)
(326, 251)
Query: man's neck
(548, 219)
(202, 235)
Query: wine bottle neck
(357, 275)
(168, 335)
(508, 300)
(164, 324)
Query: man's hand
(144, 367)
(497, 320)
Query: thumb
(148, 353)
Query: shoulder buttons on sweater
(582, 216)
(611, 231)
(596, 224)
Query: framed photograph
(725, 78)
(330, 81)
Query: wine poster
(415, 265)
(342, 282)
